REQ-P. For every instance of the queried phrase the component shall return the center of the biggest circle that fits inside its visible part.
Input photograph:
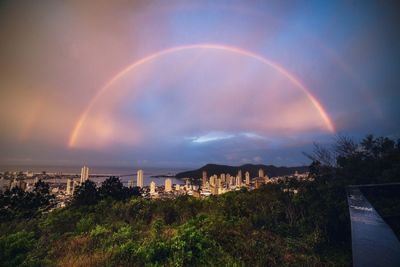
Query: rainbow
(295, 81)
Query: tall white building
(260, 173)
(247, 174)
(223, 177)
(84, 174)
(213, 180)
(68, 191)
(168, 185)
(229, 179)
(204, 179)
(219, 182)
(140, 178)
(239, 180)
(75, 184)
(240, 174)
(152, 188)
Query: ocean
(147, 171)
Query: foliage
(15, 248)
(89, 194)
(86, 194)
(17, 203)
(269, 226)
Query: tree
(112, 187)
(41, 194)
(86, 194)
(21, 204)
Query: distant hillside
(269, 170)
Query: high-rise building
(140, 178)
(260, 173)
(219, 182)
(68, 191)
(187, 183)
(152, 188)
(74, 185)
(240, 174)
(168, 185)
(229, 179)
(84, 174)
(239, 180)
(247, 174)
(14, 183)
(223, 177)
(213, 180)
(130, 184)
(2, 184)
(204, 180)
(177, 187)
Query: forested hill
(269, 170)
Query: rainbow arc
(225, 48)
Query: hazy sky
(183, 83)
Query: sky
(184, 83)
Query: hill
(269, 170)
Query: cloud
(211, 137)
(55, 57)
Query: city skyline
(189, 83)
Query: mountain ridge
(218, 169)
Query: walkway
(373, 241)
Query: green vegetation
(270, 226)
(16, 203)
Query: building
(247, 175)
(196, 194)
(259, 182)
(152, 188)
(229, 179)
(204, 180)
(140, 178)
(75, 184)
(168, 185)
(239, 174)
(213, 180)
(130, 184)
(214, 190)
(260, 173)
(18, 183)
(177, 187)
(84, 174)
(239, 180)
(223, 177)
(68, 191)
(4, 184)
(187, 183)
(219, 183)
